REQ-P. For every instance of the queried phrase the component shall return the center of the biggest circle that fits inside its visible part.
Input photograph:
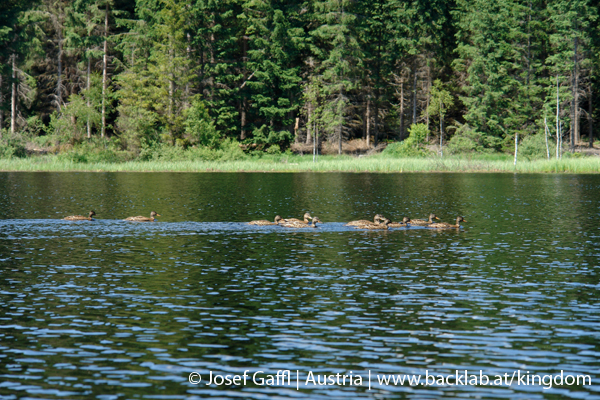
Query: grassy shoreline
(377, 163)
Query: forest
(140, 78)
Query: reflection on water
(110, 309)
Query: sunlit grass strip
(305, 164)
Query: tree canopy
(272, 72)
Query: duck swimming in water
(405, 223)
(383, 224)
(263, 222)
(376, 220)
(139, 218)
(304, 221)
(300, 224)
(422, 222)
(445, 225)
(80, 217)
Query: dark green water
(115, 310)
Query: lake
(110, 309)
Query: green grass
(285, 163)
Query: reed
(377, 163)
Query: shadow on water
(109, 309)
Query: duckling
(305, 221)
(300, 224)
(139, 218)
(422, 222)
(263, 222)
(405, 222)
(376, 220)
(383, 224)
(80, 217)
(445, 225)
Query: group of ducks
(90, 217)
(379, 222)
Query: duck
(80, 217)
(446, 225)
(405, 222)
(304, 221)
(376, 220)
(383, 224)
(422, 222)
(263, 222)
(300, 224)
(139, 218)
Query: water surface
(109, 309)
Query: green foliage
(274, 150)
(190, 74)
(227, 150)
(413, 146)
(468, 140)
(33, 128)
(199, 128)
(138, 127)
(70, 126)
(534, 147)
(95, 151)
(266, 135)
(11, 146)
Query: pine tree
(273, 85)
(340, 60)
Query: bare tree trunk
(557, 119)
(402, 109)
(1, 104)
(516, 147)
(376, 119)
(104, 72)
(546, 131)
(340, 128)
(59, 82)
(340, 139)
(171, 85)
(89, 126)
(13, 101)
(590, 119)
(368, 121)
(308, 134)
(315, 140)
(414, 111)
(560, 142)
(245, 77)
(428, 99)
(576, 135)
(211, 49)
(187, 83)
(441, 129)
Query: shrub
(568, 154)
(227, 150)
(413, 146)
(274, 149)
(199, 128)
(12, 148)
(266, 135)
(138, 129)
(468, 140)
(534, 146)
(97, 150)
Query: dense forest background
(478, 74)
